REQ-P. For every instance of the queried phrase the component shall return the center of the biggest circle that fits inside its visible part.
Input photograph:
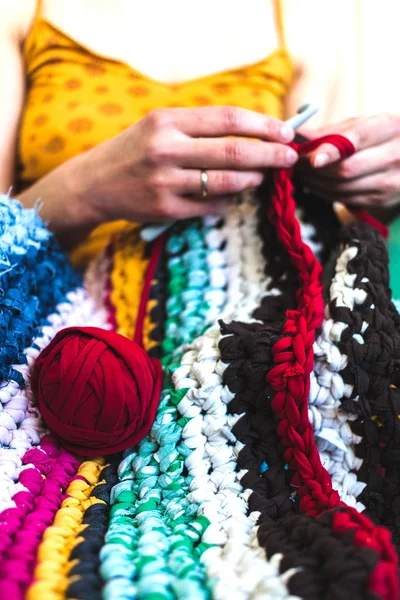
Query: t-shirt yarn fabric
(272, 467)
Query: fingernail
(287, 133)
(321, 160)
(291, 157)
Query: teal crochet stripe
(153, 544)
(34, 278)
(187, 289)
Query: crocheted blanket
(272, 468)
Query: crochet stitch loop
(293, 356)
(314, 563)
(34, 276)
(205, 506)
(149, 274)
(128, 271)
(369, 337)
(34, 512)
(50, 575)
(84, 580)
(329, 385)
(150, 503)
(154, 322)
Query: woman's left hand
(368, 178)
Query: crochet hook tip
(304, 112)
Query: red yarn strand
(290, 379)
(151, 269)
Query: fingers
(215, 121)
(197, 138)
(183, 208)
(354, 186)
(234, 153)
(359, 192)
(376, 190)
(366, 132)
(366, 163)
(353, 200)
(363, 132)
(362, 163)
(219, 182)
(188, 181)
(310, 133)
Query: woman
(94, 70)
(99, 141)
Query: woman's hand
(152, 170)
(370, 177)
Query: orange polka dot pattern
(76, 99)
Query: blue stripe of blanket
(35, 276)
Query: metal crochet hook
(304, 112)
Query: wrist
(65, 202)
(79, 185)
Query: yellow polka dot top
(77, 99)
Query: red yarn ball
(97, 391)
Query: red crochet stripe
(290, 379)
(150, 271)
(110, 308)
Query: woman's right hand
(151, 171)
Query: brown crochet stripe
(373, 369)
(85, 582)
(299, 538)
(158, 314)
(247, 351)
(321, 216)
(329, 567)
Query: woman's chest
(171, 41)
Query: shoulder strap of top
(30, 37)
(39, 6)
(279, 22)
